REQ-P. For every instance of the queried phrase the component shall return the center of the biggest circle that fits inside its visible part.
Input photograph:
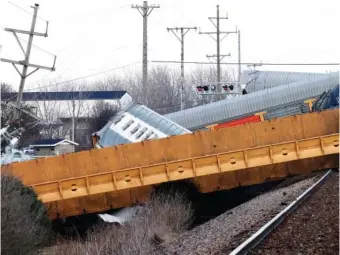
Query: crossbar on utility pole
(145, 10)
(218, 40)
(183, 31)
(25, 63)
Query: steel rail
(254, 240)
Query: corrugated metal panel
(287, 110)
(137, 123)
(201, 116)
(259, 80)
(108, 136)
(156, 120)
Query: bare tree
(5, 111)
(50, 111)
(102, 113)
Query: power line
(247, 63)
(67, 68)
(35, 46)
(83, 77)
(28, 12)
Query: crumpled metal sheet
(137, 123)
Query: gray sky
(93, 36)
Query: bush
(164, 217)
(24, 222)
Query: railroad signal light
(226, 87)
(211, 88)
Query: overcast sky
(93, 36)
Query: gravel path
(312, 229)
(226, 231)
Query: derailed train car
(120, 175)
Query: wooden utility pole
(25, 63)
(239, 55)
(145, 10)
(183, 31)
(218, 40)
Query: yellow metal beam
(187, 168)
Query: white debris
(14, 155)
(121, 216)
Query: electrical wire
(28, 12)
(35, 46)
(245, 63)
(84, 77)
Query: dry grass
(24, 223)
(166, 215)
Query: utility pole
(239, 55)
(145, 10)
(73, 120)
(25, 63)
(183, 31)
(218, 40)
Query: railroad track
(253, 241)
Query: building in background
(53, 147)
(83, 131)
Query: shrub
(24, 222)
(166, 215)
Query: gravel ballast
(225, 232)
(312, 229)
